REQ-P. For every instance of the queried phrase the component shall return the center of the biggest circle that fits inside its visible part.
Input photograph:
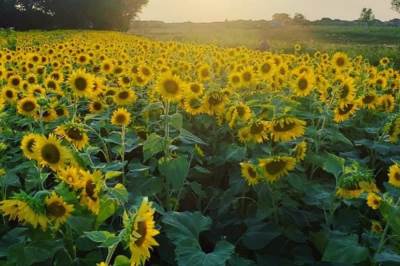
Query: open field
(373, 42)
(120, 150)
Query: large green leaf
(259, 235)
(175, 170)
(333, 164)
(345, 249)
(184, 230)
(391, 215)
(153, 145)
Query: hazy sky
(219, 10)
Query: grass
(372, 42)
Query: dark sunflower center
(142, 230)
(15, 81)
(28, 106)
(56, 209)
(171, 86)
(215, 100)
(397, 176)
(275, 167)
(120, 118)
(81, 84)
(235, 79)
(247, 76)
(251, 172)
(195, 88)
(146, 72)
(97, 106)
(50, 153)
(205, 73)
(31, 80)
(286, 126)
(240, 110)
(60, 111)
(346, 109)
(302, 84)
(90, 190)
(266, 68)
(9, 94)
(368, 99)
(340, 61)
(74, 133)
(344, 92)
(126, 80)
(51, 85)
(256, 128)
(123, 95)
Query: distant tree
(396, 5)
(96, 14)
(281, 18)
(299, 18)
(366, 16)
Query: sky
(219, 10)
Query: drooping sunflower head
(274, 168)
(121, 117)
(96, 106)
(387, 103)
(394, 175)
(287, 128)
(300, 151)
(193, 105)
(142, 234)
(369, 100)
(74, 133)
(90, 194)
(249, 173)
(28, 143)
(57, 210)
(125, 96)
(258, 131)
(344, 111)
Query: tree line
(69, 14)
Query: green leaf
(107, 209)
(153, 145)
(176, 120)
(184, 230)
(333, 164)
(106, 238)
(391, 215)
(387, 256)
(175, 170)
(345, 249)
(122, 260)
(187, 137)
(112, 174)
(235, 153)
(259, 235)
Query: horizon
(209, 11)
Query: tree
(396, 5)
(281, 18)
(299, 18)
(366, 16)
(48, 14)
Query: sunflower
(300, 151)
(57, 210)
(266, 69)
(249, 173)
(387, 102)
(214, 102)
(170, 87)
(347, 90)
(91, 190)
(142, 234)
(196, 89)
(303, 84)
(376, 227)
(344, 111)
(234, 79)
(9, 94)
(27, 106)
(247, 76)
(125, 97)
(73, 133)
(96, 106)
(121, 117)
(244, 135)
(369, 100)
(81, 82)
(274, 168)
(48, 115)
(72, 176)
(287, 128)
(340, 60)
(14, 81)
(258, 131)
(50, 152)
(394, 175)
(193, 105)
(28, 143)
(373, 201)
(204, 73)
(2, 104)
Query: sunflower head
(275, 167)
(121, 117)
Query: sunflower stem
(111, 253)
(166, 129)
(123, 129)
(385, 231)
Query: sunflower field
(120, 150)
